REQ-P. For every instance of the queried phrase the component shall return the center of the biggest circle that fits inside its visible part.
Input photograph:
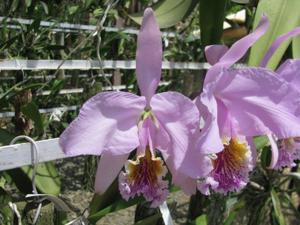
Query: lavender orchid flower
(237, 104)
(113, 124)
(288, 149)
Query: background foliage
(270, 198)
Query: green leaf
(31, 111)
(201, 220)
(116, 206)
(260, 142)
(14, 5)
(110, 196)
(277, 208)
(87, 3)
(296, 47)
(56, 87)
(212, 15)
(169, 12)
(5, 137)
(149, 220)
(47, 179)
(73, 9)
(45, 7)
(284, 16)
(266, 155)
(28, 3)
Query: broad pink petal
(109, 166)
(188, 185)
(290, 71)
(214, 52)
(260, 102)
(180, 119)
(237, 50)
(149, 55)
(276, 44)
(106, 122)
(275, 151)
(209, 140)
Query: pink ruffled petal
(109, 167)
(180, 119)
(209, 141)
(260, 102)
(149, 55)
(106, 122)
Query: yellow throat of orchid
(233, 156)
(146, 165)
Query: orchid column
(113, 124)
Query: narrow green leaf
(14, 5)
(116, 206)
(201, 220)
(45, 7)
(296, 47)
(212, 15)
(47, 179)
(284, 16)
(265, 158)
(149, 220)
(31, 111)
(169, 12)
(277, 208)
(230, 218)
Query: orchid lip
(144, 176)
(231, 167)
(289, 151)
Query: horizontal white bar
(80, 90)
(21, 64)
(14, 156)
(69, 27)
(50, 110)
(49, 77)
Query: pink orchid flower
(288, 149)
(113, 124)
(237, 104)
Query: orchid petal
(290, 71)
(187, 184)
(276, 45)
(109, 167)
(275, 151)
(237, 50)
(180, 119)
(207, 142)
(214, 52)
(106, 122)
(260, 102)
(149, 55)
